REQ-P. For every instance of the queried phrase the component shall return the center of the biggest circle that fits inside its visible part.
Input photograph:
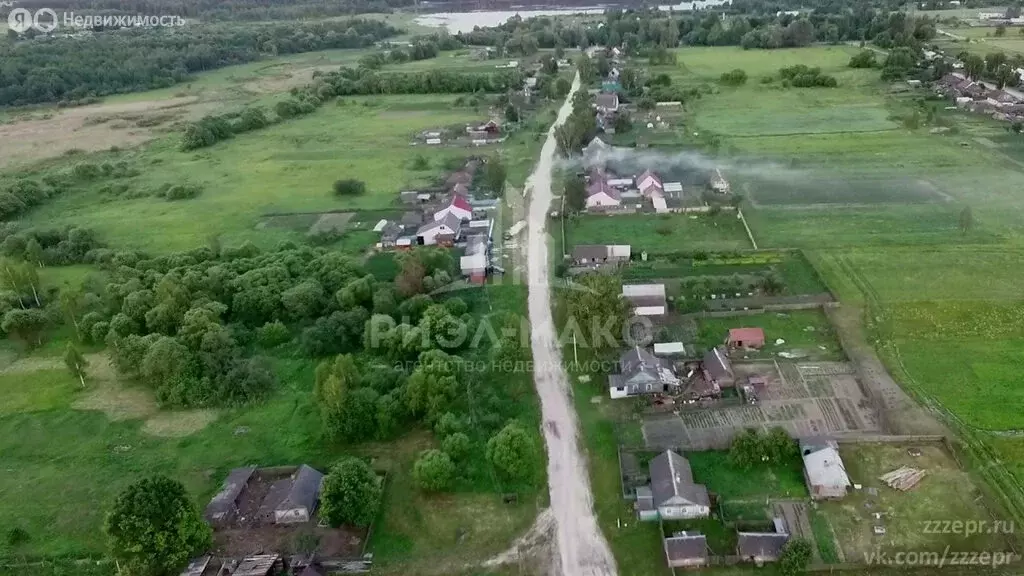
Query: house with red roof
(458, 207)
(745, 338)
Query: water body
(457, 22)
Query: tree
(623, 123)
(409, 281)
(34, 252)
(575, 193)
(863, 59)
(495, 174)
(974, 66)
(1005, 75)
(349, 187)
(778, 446)
(562, 87)
(1001, 30)
(456, 445)
(597, 308)
(71, 304)
(154, 528)
(75, 362)
(350, 494)
(25, 324)
(334, 381)
(434, 471)
(511, 114)
(747, 449)
(795, 557)
(993, 60)
(966, 220)
(513, 453)
(434, 385)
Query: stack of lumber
(904, 478)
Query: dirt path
(899, 412)
(582, 548)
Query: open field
(284, 168)
(839, 189)
(945, 494)
(125, 120)
(655, 234)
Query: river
(457, 22)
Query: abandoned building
(293, 499)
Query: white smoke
(639, 160)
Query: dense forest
(110, 62)
(643, 31)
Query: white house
(458, 206)
(824, 472)
(673, 494)
(444, 231)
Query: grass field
(286, 167)
(654, 234)
(945, 494)
(729, 482)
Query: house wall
(647, 515)
(616, 393)
(598, 200)
(683, 512)
(823, 492)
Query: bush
(736, 77)
(864, 59)
(434, 471)
(181, 192)
(17, 536)
(349, 187)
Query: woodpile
(903, 479)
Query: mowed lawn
(658, 233)
(284, 168)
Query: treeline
(232, 10)
(643, 31)
(423, 48)
(111, 62)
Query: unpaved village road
(582, 549)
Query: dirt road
(582, 549)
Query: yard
(946, 494)
(734, 484)
(806, 332)
(659, 233)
